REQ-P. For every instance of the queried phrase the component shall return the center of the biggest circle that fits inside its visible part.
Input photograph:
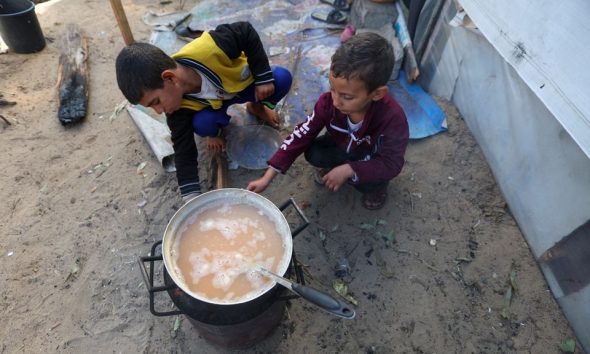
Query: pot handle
(324, 301)
(301, 227)
(149, 280)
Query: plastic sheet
(251, 146)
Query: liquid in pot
(216, 251)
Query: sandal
(187, 32)
(333, 16)
(318, 174)
(375, 200)
(341, 5)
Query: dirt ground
(430, 271)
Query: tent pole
(122, 21)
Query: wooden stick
(222, 169)
(410, 64)
(5, 120)
(72, 80)
(122, 21)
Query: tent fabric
(540, 166)
(541, 40)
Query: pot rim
(211, 198)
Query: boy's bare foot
(215, 144)
(263, 113)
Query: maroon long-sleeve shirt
(382, 139)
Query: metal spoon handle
(319, 298)
(324, 301)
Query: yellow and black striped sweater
(232, 57)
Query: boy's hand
(264, 91)
(334, 179)
(260, 184)
(215, 144)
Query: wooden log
(72, 81)
(221, 180)
(122, 21)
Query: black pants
(324, 153)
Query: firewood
(221, 177)
(72, 79)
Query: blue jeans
(208, 121)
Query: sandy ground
(429, 273)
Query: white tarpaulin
(545, 42)
(519, 82)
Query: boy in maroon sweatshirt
(366, 130)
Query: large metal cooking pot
(206, 313)
(216, 199)
(217, 312)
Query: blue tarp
(294, 40)
(425, 117)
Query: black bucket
(19, 26)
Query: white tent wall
(542, 170)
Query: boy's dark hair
(139, 68)
(367, 57)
